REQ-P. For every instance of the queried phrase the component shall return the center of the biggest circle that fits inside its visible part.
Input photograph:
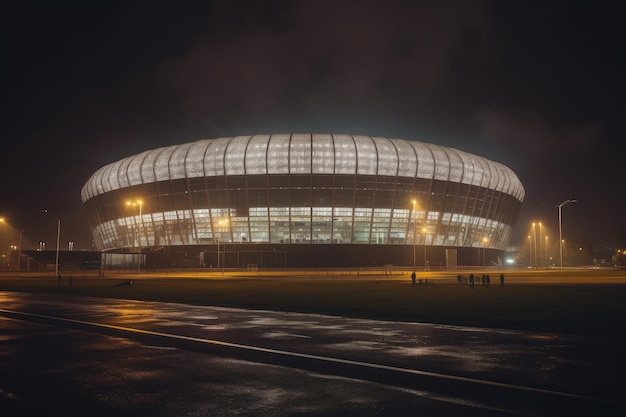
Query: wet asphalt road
(86, 356)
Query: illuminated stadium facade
(304, 200)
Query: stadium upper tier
(303, 154)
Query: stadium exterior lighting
(560, 206)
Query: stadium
(304, 200)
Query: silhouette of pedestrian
(488, 280)
(484, 279)
(413, 277)
(471, 280)
(501, 279)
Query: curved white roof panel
(304, 154)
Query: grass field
(585, 302)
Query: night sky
(535, 85)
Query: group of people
(485, 279)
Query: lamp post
(19, 251)
(415, 235)
(220, 223)
(139, 223)
(19, 245)
(56, 263)
(535, 241)
(485, 240)
(424, 231)
(541, 243)
(56, 266)
(560, 206)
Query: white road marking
(310, 356)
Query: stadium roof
(304, 154)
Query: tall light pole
(19, 251)
(485, 240)
(220, 224)
(535, 239)
(424, 230)
(541, 243)
(139, 223)
(56, 266)
(560, 206)
(19, 245)
(415, 234)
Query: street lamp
(424, 231)
(415, 234)
(541, 243)
(535, 239)
(19, 245)
(485, 240)
(220, 224)
(139, 223)
(560, 206)
(19, 251)
(56, 267)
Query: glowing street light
(425, 231)
(19, 252)
(415, 234)
(485, 240)
(541, 243)
(19, 245)
(560, 206)
(221, 223)
(56, 267)
(535, 239)
(136, 203)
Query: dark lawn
(598, 309)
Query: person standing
(471, 280)
(413, 278)
(501, 279)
